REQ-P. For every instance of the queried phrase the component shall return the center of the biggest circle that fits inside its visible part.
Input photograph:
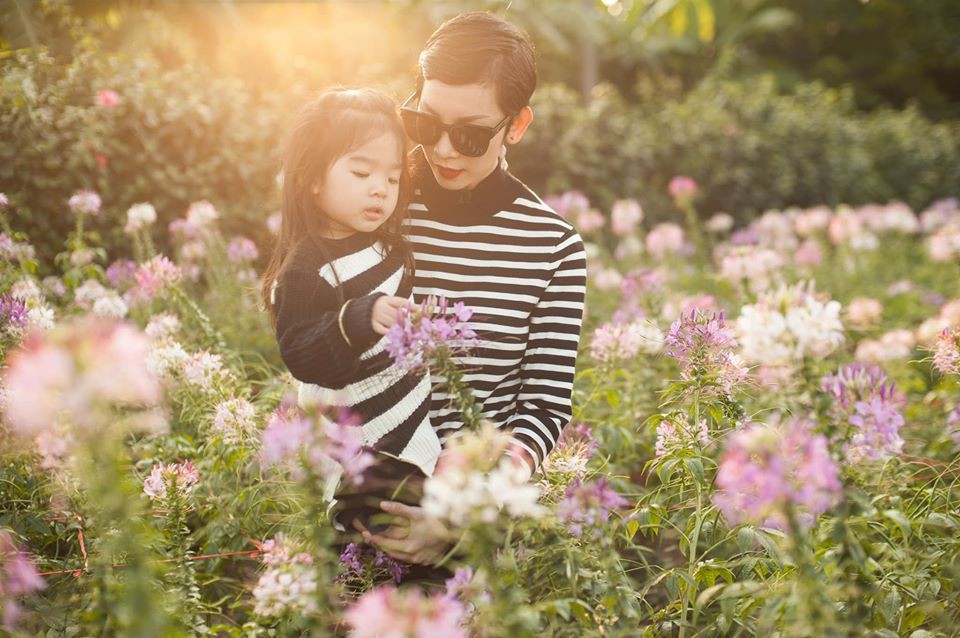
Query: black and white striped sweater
(392, 405)
(521, 268)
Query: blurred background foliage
(767, 103)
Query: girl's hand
(385, 311)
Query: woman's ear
(519, 125)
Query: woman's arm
(544, 402)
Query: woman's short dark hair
(479, 47)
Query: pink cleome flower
(184, 475)
(155, 276)
(767, 469)
(18, 577)
(76, 373)
(107, 98)
(387, 611)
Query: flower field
(765, 441)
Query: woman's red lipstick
(449, 173)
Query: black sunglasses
(471, 140)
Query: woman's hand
(413, 537)
(385, 311)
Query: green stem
(461, 392)
(211, 335)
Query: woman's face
(461, 104)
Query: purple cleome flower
(290, 436)
(13, 311)
(356, 560)
(866, 399)
(416, 337)
(587, 506)
(702, 345)
(122, 273)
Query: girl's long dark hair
(328, 127)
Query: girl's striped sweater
(351, 369)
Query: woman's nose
(443, 147)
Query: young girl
(339, 273)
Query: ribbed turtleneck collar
(489, 197)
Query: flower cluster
(896, 344)
(387, 611)
(569, 203)
(235, 420)
(289, 584)
(156, 276)
(204, 370)
(586, 507)
(589, 221)
(682, 189)
(81, 373)
(756, 268)
(462, 497)
(84, 203)
(946, 355)
(679, 434)
(867, 400)
(953, 424)
(765, 470)
(321, 446)
(664, 239)
(18, 577)
(183, 477)
(616, 341)
(242, 250)
(417, 337)
(944, 245)
(139, 216)
(863, 312)
(573, 451)
(13, 314)
(474, 481)
(199, 221)
(784, 327)
(625, 216)
(122, 274)
(11, 250)
(702, 345)
(362, 564)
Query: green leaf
(694, 467)
(901, 520)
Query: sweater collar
(489, 197)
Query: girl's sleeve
(308, 329)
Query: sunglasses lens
(470, 140)
(422, 129)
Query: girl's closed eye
(361, 174)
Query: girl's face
(360, 190)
